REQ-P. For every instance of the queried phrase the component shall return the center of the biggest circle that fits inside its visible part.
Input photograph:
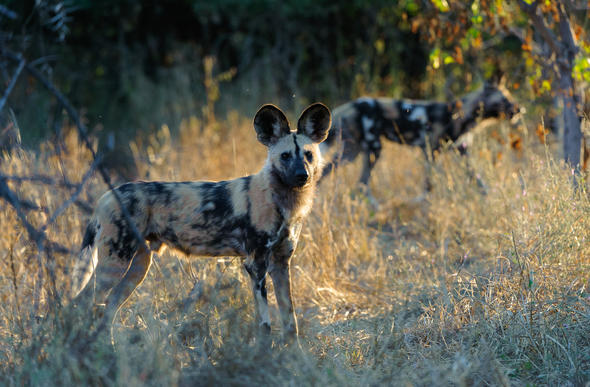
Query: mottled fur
(359, 125)
(257, 217)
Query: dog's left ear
(315, 122)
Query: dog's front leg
(281, 278)
(256, 266)
(370, 157)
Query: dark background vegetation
(134, 65)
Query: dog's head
(496, 101)
(294, 157)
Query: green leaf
(442, 5)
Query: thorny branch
(8, 90)
(39, 236)
(82, 131)
(75, 195)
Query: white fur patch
(367, 123)
(262, 307)
(209, 206)
(276, 128)
(85, 266)
(238, 199)
(418, 114)
(368, 100)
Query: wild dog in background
(357, 126)
(258, 217)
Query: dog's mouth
(300, 186)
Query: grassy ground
(449, 288)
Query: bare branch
(43, 179)
(19, 69)
(74, 196)
(35, 235)
(565, 32)
(521, 35)
(541, 26)
(82, 131)
(8, 12)
(579, 5)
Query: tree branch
(520, 34)
(43, 179)
(82, 131)
(541, 26)
(35, 235)
(74, 196)
(19, 69)
(565, 32)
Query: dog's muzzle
(301, 178)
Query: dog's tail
(87, 260)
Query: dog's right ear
(270, 124)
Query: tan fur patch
(263, 214)
(238, 199)
(390, 111)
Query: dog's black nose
(301, 177)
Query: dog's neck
(466, 112)
(293, 204)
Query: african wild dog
(257, 217)
(357, 126)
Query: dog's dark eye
(285, 155)
(309, 155)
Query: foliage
(498, 35)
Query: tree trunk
(562, 47)
(572, 133)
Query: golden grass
(460, 288)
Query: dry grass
(460, 288)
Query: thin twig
(82, 131)
(74, 196)
(35, 235)
(8, 12)
(19, 69)
(43, 179)
(39, 236)
(15, 284)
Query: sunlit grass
(449, 287)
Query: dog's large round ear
(270, 124)
(315, 122)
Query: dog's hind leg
(256, 266)
(108, 272)
(134, 276)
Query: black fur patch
(129, 198)
(89, 235)
(220, 197)
(124, 245)
(158, 191)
